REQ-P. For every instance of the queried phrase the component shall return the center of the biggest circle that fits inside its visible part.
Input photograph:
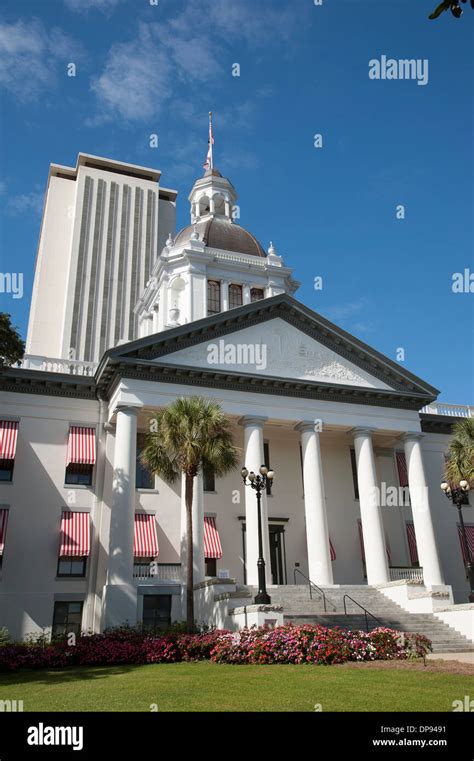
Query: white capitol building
(124, 319)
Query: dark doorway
(156, 612)
(276, 538)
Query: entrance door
(276, 536)
(277, 553)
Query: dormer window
(235, 296)
(213, 297)
(256, 294)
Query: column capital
(412, 436)
(362, 431)
(132, 408)
(306, 427)
(252, 420)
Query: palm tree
(460, 462)
(189, 436)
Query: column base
(262, 599)
(120, 605)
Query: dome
(222, 233)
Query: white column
(422, 520)
(246, 294)
(212, 205)
(369, 499)
(121, 592)
(253, 459)
(228, 210)
(224, 295)
(198, 529)
(317, 534)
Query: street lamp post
(259, 482)
(457, 496)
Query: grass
(205, 686)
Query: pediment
(277, 342)
(277, 349)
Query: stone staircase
(298, 608)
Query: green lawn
(206, 686)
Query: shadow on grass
(65, 675)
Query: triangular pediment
(276, 349)
(278, 339)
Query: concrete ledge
(256, 615)
(459, 617)
(214, 582)
(254, 609)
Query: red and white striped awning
(333, 551)
(470, 540)
(8, 438)
(402, 468)
(75, 535)
(145, 542)
(81, 445)
(361, 539)
(212, 542)
(3, 528)
(411, 536)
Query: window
(156, 612)
(67, 618)
(256, 294)
(213, 297)
(266, 460)
(211, 567)
(235, 296)
(81, 451)
(72, 566)
(209, 480)
(79, 474)
(6, 470)
(354, 474)
(144, 478)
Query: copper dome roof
(218, 232)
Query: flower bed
(284, 644)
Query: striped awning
(411, 536)
(145, 541)
(333, 551)
(8, 438)
(81, 445)
(402, 468)
(212, 542)
(75, 535)
(361, 540)
(470, 540)
(3, 528)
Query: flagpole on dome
(209, 163)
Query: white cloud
(143, 75)
(136, 79)
(25, 204)
(30, 57)
(85, 5)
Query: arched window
(213, 297)
(235, 296)
(256, 294)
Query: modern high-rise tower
(104, 223)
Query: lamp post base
(262, 598)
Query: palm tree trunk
(189, 488)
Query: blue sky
(330, 211)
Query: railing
(406, 573)
(312, 586)
(452, 410)
(55, 365)
(366, 612)
(159, 571)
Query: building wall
(100, 237)
(51, 274)
(37, 496)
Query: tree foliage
(187, 437)
(452, 5)
(460, 462)
(12, 346)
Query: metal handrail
(362, 608)
(310, 585)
